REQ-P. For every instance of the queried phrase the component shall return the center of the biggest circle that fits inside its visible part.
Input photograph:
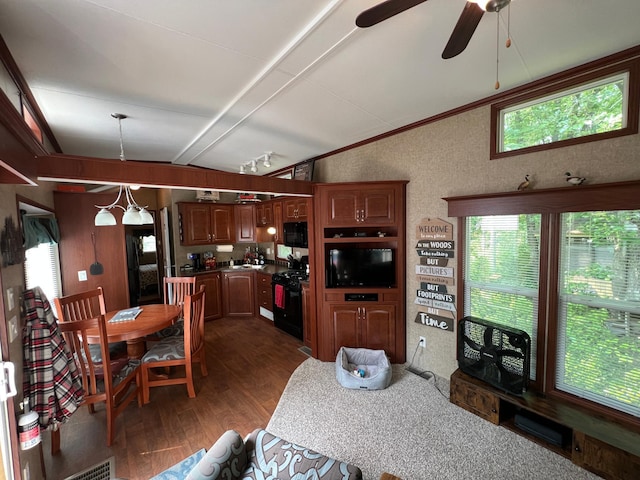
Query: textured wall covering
(450, 157)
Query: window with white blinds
(501, 277)
(598, 354)
(42, 268)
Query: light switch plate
(82, 276)
(10, 302)
(13, 328)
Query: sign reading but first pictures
(436, 274)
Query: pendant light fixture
(134, 214)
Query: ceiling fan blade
(384, 10)
(463, 31)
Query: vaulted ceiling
(217, 83)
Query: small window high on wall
(584, 108)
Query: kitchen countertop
(268, 269)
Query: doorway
(143, 261)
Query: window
(564, 266)
(502, 260)
(42, 268)
(148, 244)
(584, 108)
(598, 353)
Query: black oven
(287, 301)
(295, 234)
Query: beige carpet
(409, 429)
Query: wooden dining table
(152, 318)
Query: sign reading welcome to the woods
(435, 271)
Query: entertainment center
(611, 450)
(360, 259)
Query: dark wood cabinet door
(361, 207)
(377, 206)
(344, 320)
(223, 226)
(378, 328)
(341, 208)
(278, 219)
(195, 224)
(244, 216)
(294, 209)
(238, 289)
(213, 294)
(264, 214)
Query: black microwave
(295, 234)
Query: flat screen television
(360, 267)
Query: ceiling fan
(462, 32)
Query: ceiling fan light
(131, 216)
(104, 218)
(147, 218)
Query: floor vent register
(102, 471)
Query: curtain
(39, 230)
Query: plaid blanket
(51, 380)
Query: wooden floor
(249, 363)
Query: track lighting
(253, 164)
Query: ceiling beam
(77, 169)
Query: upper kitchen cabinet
(361, 206)
(294, 209)
(264, 214)
(205, 224)
(245, 221)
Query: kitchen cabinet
(294, 209)
(245, 222)
(360, 206)
(360, 215)
(239, 293)
(609, 449)
(212, 295)
(265, 295)
(205, 224)
(366, 325)
(278, 219)
(264, 214)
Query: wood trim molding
(76, 169)
(27, 96)
(551, 200)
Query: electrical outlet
(423, 342)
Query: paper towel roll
(224, 248)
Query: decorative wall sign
(11, 244)
(436, 274)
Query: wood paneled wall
(75, 213)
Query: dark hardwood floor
(249, 363)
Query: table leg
(136, 348)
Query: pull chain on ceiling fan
(462, 32)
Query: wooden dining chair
(175, 290)
(178, 350)
(83, 306)
(115, 387)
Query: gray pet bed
(352, 363)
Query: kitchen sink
(254, 267)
